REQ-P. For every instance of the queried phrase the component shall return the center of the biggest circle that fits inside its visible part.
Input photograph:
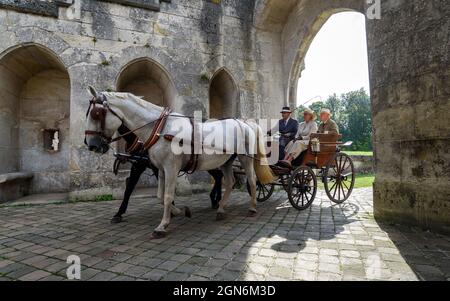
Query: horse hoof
(158, 234)
(187, 212)
(116, 220)
(251, 213)
(220, 216)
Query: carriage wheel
(263, 192)
(339, 178)
(302, 188)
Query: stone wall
(410, 87)
(364, 164)
(262, 45)
(34, 97)
(45, 104)
(96, 41)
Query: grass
(361, 181)
(359, 153)
(364, 181)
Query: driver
(288, 128)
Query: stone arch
(294, 24)
(34, 105)
(223, 95)
(147, 78)
(298, 62)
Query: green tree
(353, 113)
(335, 104)
(358, 119)
(298, 113)
(317, 106)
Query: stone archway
(35, 113)
(298, 63)
(336, 50)
(145, 77)
(408, 67)
(223, 95)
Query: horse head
(101, 123)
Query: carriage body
(322, 161)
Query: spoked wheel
(263, 192)
(302, 188)
(339, 178)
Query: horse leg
(161, 196)
(247, 164)
(161, 183)
(216, 193)
(228, 176)
(135, 174)
(169, 195)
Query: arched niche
(34, 116)
(223, 96)
(148, 79)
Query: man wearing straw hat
(328, 125)
(301, 142)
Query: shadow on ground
(426, 253)
(325, 242)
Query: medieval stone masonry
(226, 58)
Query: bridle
(99, 108)
(98, 113)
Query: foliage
(353, 113)
(104, 198)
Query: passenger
(328, 125)
(301, 142)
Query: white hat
(325, 111)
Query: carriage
(322, 161)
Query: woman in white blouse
(300, 144)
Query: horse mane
(128, 96)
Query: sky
(336, 61)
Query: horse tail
(262, 169)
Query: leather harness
(99, 114)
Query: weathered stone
(227, 58)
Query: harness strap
(135, 147)
(159, 126)
(192, 164)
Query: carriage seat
(14, 185)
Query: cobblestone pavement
(326, 242)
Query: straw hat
(310, 112)
(326, 111)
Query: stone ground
(326, 242)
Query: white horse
(165, 132)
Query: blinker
(98, 113)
